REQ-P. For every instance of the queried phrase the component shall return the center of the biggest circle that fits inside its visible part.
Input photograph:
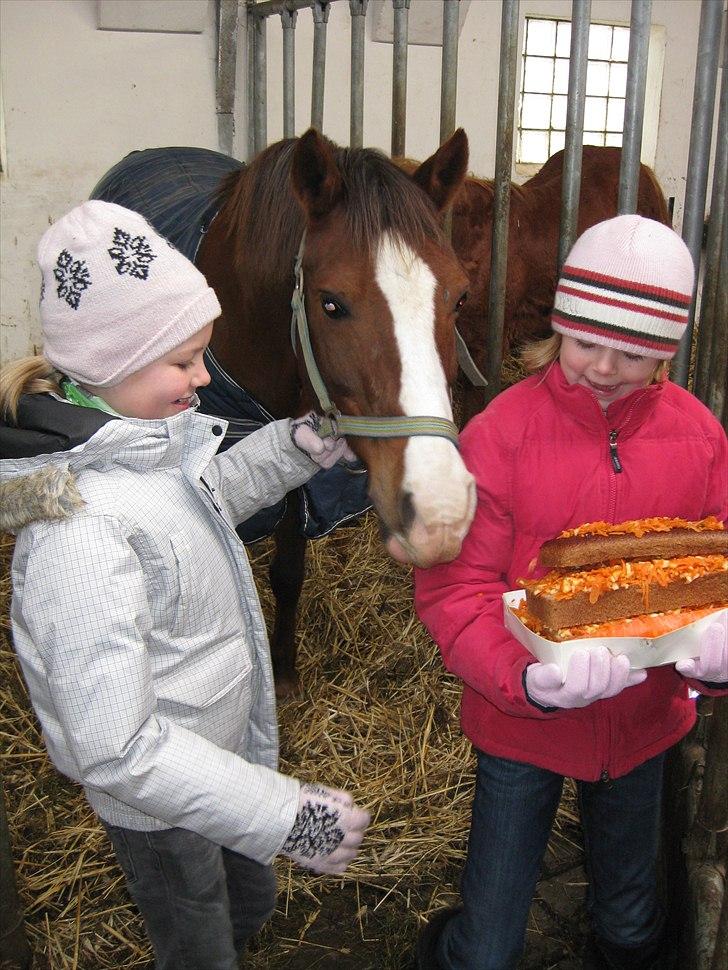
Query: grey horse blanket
(177, 191)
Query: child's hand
(711, 664)
(324, 451)
(592, 675)
(328, 829)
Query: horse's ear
(443, 173)
(314, 175)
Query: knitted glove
(324, 451)
(711, 664)
(328, 829)
(592, 675)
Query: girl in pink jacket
(596, 433)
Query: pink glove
(328, 829)
(711, 664)
(324, 451)
(592, 675)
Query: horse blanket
(177, 191)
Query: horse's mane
(262, 213)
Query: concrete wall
(76, 99)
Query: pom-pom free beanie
(115, 295)
(627, 283)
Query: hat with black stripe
(628, 284)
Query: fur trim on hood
(49, 493)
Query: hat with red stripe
(627, 283)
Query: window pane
(593, 138)
(600, 42)
(615, 114)
(620, 44)
(534, 146)
(557, 141)
(541, 36)
(538, 75)
(535, 110)
(558, 112)
(597, 78)
(614, 139)
(563, 39)
(561, 76)
(617, 79)
(595, 114)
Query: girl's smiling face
(609, 374)
(166, 386)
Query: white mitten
(711, 664)
(324, 451)
(328, 829)
(592, 675)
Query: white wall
(76, 99)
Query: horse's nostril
(406, 511)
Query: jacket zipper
(613, 453)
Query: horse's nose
(428, 542)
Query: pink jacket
(545, 458)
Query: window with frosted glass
(545, 82)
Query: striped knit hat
(628, 284)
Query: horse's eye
(332, 308)
(461, 302)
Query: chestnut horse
(382, 292)
(533, 239)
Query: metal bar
(709, 329)
(227, 51)
(502, 192)
(288, 23)
(260, 112)
(449, 74)
(576, 99)
(706, 73)
(250, 36)
(320, 20)
(357, 9)
(718, 379)
(399, 75)
(634, 108)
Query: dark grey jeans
(200, 902)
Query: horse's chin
(403, 552)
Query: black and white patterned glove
(324, 451)
(328, 829)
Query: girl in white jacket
(135, 617)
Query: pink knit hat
(628, 284)
(115, 295)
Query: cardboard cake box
(642, 651)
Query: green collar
(75, 394)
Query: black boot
(601, 955)
(425, 958)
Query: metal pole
(227, 48)
(706, 73)
(634, 108)
(250, 37)
(449, 76)
(358, 9)
(710, 344)
(288, 23)
(260, 112)
(399, 75)
(502, 193)
(576, 98)
(320, 20)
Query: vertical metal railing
(358, 9)
(288, 24)
(575, 101)
(706, 74)
(399, 75)
(226, 80)
(634, 108)
(318, 77)
(449, 71)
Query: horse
(533, 239)
(377, 314)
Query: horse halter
(334, 422)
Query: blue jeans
(513, 811)
(200, 902)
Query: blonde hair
(537, 355)
(30, 375)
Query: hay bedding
(378, 715)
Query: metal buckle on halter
(332, 415)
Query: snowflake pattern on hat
(73, 278)
(131, 254)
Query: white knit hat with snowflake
(115, 295)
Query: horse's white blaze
(442, 489)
